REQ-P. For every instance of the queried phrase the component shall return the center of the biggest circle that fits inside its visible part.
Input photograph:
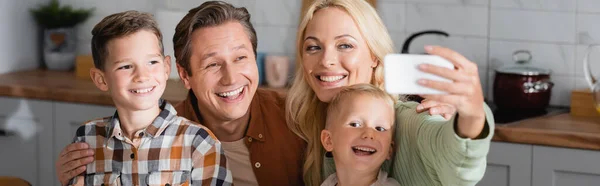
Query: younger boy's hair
(358, 89)
(117, 26)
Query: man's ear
(99, 79)
(183, 75)
(167, 61)
(326, 140)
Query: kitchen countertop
(66, 87)
(562, 130)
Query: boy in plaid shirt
(144, 142)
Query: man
(215, 47)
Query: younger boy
(359, 131)
(144, 142)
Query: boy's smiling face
(135, 72)
(359, 132)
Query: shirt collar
(165, 116)
(256, 126)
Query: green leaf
(53, 15)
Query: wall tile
(561, 92)
(276, 40)
(548, 5)
(558, 58)
(393, 15)
(182, 4)
(281, 12)
(453, 2)
(581, 84)
(19, 36)
(398, 39)
(455, 19)
(532, 25)
(588, 29)
(590, 6)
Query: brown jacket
(276, 153)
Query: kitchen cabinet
(26, 139)
(508, 164)
(32, 134)
(68, 117)
(565, 167)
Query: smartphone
(401, 73)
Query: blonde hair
(354, 90)
(305, 113)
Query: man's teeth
(139, 91)
(365, 149)
(330, 78)
(231, 93)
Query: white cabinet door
(26, 139)
(68, 117)
(508, 164)
(565, 167)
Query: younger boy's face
(135, 72)
(360, 133)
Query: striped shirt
(171, 151)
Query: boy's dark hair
(208, 14)
(120, 25)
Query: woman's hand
(72, 161)
(464, 92)
(437, 108)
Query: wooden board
(582, 104)
(563, 130)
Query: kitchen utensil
(522, 87)
(276, 70)
(406, 47)
(590, 78)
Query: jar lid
(522, 57)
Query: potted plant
(60, 39)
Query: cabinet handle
(6, 133)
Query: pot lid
(522, 58)
(524, 70)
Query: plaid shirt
(172, 151)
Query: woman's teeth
(330, 78)
(231, 93)
(140, 91)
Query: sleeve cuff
(479, 146)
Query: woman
(343, 42)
